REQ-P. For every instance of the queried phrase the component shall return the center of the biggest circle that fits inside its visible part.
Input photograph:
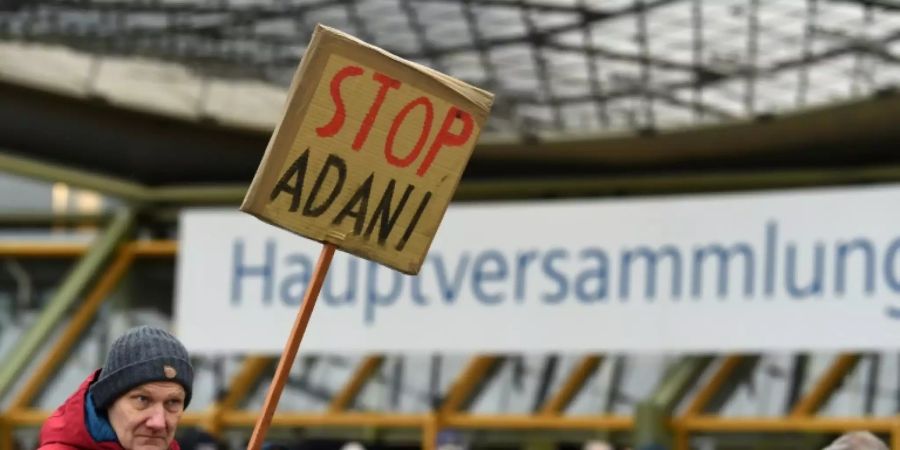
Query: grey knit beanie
(142, 355)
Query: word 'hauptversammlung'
(855, 267)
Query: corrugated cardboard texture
(369, 151)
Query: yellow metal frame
(801, 419)
(819, 394)
(60, 250)
(573, 384)
(702, 399)
(706, 393)
(74, 329)
(790, 424)
(541, 422)
(225, 413)
(6, 433)
(251, 369)
(366, 369)
(161, 248)
(468, 380)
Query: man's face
(145, 417)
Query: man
(133, 403)
(857, 440)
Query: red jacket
(67, 429)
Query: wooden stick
(291, 347)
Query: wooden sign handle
(291, 347)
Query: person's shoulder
(57, 446)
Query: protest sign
(369, 152)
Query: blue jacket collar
(97, 423)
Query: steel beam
(345, 419)
(678, 380)
(159, 248)
(713, 394)
(251, 369)
(706, 393)
(74, 329)
(533, 422)
(55, 250)
(740, 375)
(42, 220)
(827, 384)
(545, 381)
(652, 415)
(116, 187)
(789, 424)
(140, 249)
(347, 395)
(6, 436)
(527, 188)
(799, 368)
(572, 385)
(476, 190)
(586, 186)
(67, 294)
(430, 432)
(673, 183)
(187, 195)
(461, 393)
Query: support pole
(430, 432)
(6, 437)
(291, 347)
(895, 436)
(652, 415)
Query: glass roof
(555, 65)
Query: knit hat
(142, 355)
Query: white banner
(795, 270)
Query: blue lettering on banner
(592, 284)
(843, 253)
(814, 287)
(844, 269)
(892, 265)
(489, 266)
(294, 285)
(651, 258)
(241, 271)
(892, 273)
(522, 261)
(375, 297)
(724, 260)
(346, 297)
(450, 286)
(558, 277)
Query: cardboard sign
(369, 151)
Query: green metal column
(651, 430)
(41, 170)
(539, 444)
(68, 293)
